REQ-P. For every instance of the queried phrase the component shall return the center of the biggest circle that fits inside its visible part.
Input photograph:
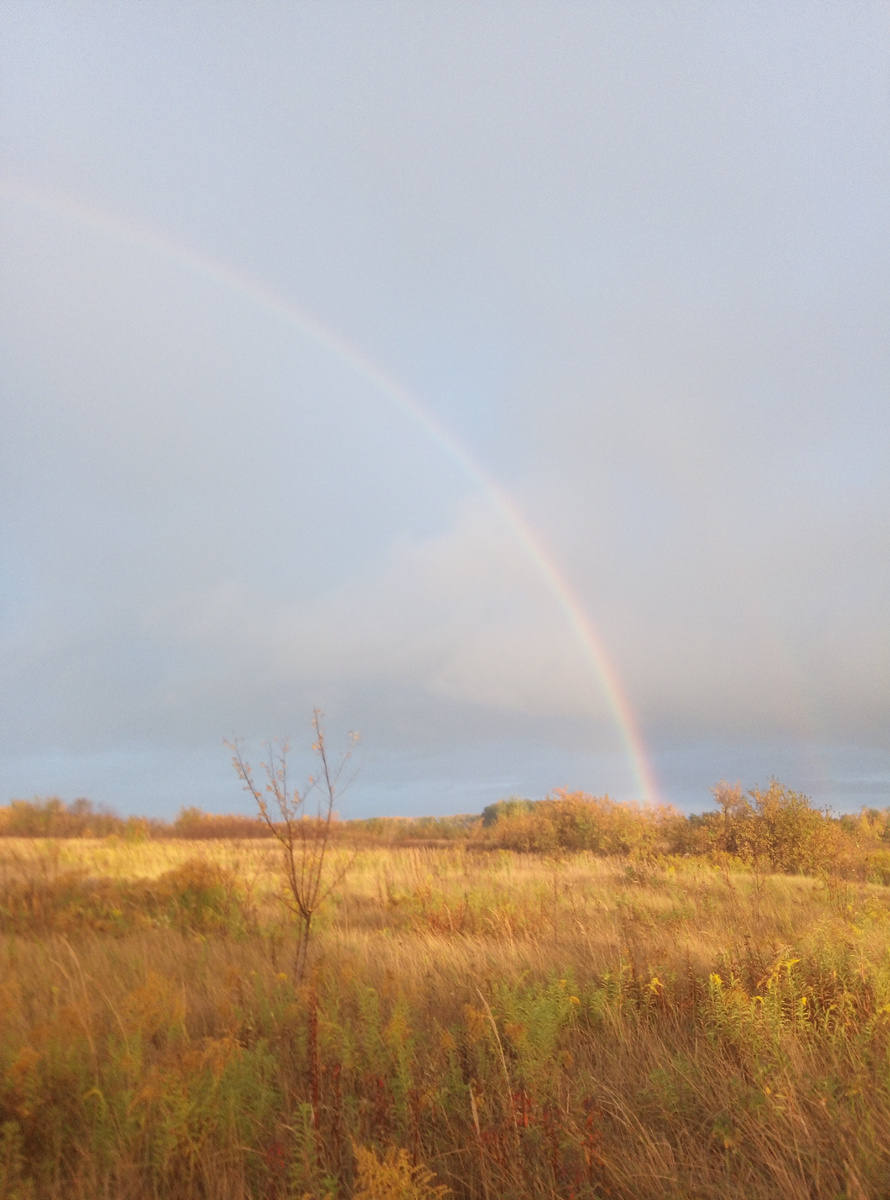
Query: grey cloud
(634, 257)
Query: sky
(509, 382)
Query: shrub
(570, 821)
(196, 897)
(194, 824)
(54, 818)
(775, 828)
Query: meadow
(475, 1021)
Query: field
(495, 1023)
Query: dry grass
(518, 1026)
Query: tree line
(770, 829)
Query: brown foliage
(572, 821)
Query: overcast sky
(630, 264)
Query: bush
(569, 821)
(197, 825)
(196, 897)
(54, 818)
(776, 829)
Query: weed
(392, 1176)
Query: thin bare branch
(304, 839)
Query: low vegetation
(566, 999)
(767, 829)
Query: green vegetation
(629, 1004)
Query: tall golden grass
(490, 1022)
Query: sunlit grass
(519, 1026)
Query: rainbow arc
(306, 326)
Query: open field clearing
(516, 1025)
(444, 592)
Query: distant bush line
(766, 830)
(54, 818)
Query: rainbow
(303, 323)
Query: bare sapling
(304, 836)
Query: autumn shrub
(197, 825)
(573, 821)
(197, 896)
(776, 829)
(200, 896)
(502, 810)
(876, 866)
(53, 818)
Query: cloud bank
(635, 260)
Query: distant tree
(501, 809)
